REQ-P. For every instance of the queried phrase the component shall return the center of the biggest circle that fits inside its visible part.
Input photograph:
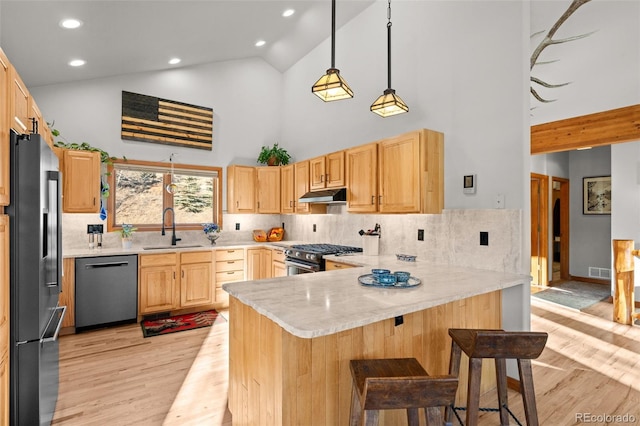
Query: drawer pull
(230, 262)
(230, 273)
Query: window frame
(111, 200)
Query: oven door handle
(301, 265)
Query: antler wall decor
(548, 41)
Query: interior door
(539, 229)
(561, 227)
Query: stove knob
(297, 254)
(311, 257)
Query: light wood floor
(590, 366)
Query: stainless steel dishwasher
(106, 290)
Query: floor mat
(176, 323)
(575, 295)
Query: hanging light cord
(389, 46)
(333, 33)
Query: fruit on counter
(259, 235)
(276, 234)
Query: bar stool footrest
(456, 409)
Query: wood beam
(602, 128)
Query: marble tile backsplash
(451, 238)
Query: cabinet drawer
(229, 254)
(230, 265)
(196, 257)
(158, 259)
(225, 277)
(278, 255)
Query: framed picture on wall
(596, 195)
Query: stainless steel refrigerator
(35, 269)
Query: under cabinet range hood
(325, 196)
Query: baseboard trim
(590, 280)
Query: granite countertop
(312, 305)
(118, 251)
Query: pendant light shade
(389, 103)
(331, 86)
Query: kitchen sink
(169, 247)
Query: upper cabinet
(268, 189)
(5, 78)
(241, 191)
(80, 181)
(19, 104)
(287, 189)
(327, 171)
(362, 178)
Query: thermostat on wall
(469, 185)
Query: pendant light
(331, 86)
(171, 187)
(389, 103)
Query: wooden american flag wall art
(150, 119)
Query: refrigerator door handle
(53, 329)
(55, 209)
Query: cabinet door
(68, 294)
(287, 190)
(278, 270)
(334, 173)
(399, 168)
(19, 104)
(4, 297)
(266, 263)
(196, 285)
(362, 178)
(4, 388)
(268, 189)
(241, 193)
(81, 182)
(301, 181)
(254, 271)
(317, 173)
(5, 78)
(157, 289)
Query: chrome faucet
(173, 225)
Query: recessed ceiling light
(174, 61)
(70, 23)
(260, 43)
(288, 13)
(77, 62)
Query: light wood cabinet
(278, 268)
(5, 79)
(157, 283)
(67, 295)
(4, 388)
(362, 178)
(287, 189)
(327, 171)
(4, 319)
(331, 265)
(259, 263)
(302, 186)
(80, 181)
(268, 189)
(241, 189)
(18, 104)
(196, 279)
(229, 267)
(411, 173)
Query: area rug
(574, 295)
(176, 323)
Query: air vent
(603, 273)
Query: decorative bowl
(402, 276)
(377, 272)
(386, 279)
(259, 235)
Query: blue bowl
(401, 276)
(386, 279)
(377, 272)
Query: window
(140, 191)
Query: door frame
(541, 237)
(564, 226)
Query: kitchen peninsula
(291, 338)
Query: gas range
(301, 258)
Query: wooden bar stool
(523, 346)
(402, 383)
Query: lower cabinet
(331, 265)
(278, 268)
(67, 293)
(157, 286)
(196, 285)
(259, 263)
(229, 267)
(4, 388)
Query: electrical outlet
(282, 225)
(484, 238)
(399, 320)
(314, 227)
(420, 234)
(237, 226)
(500, 201)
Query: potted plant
(274, 156)
(126, 233)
